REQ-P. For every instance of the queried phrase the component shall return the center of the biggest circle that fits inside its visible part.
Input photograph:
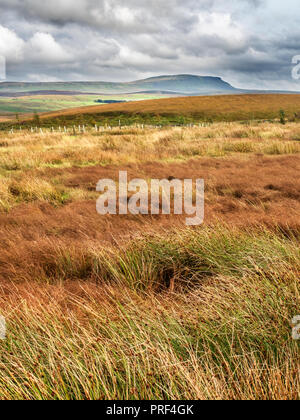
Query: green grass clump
(187, 257)
(222, 333)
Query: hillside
(180, 84)
(185, 84)
(176, 110)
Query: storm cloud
(249, 43)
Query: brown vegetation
(48, 186)
(219, 108)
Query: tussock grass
(183, 257)
(28, 189)
(222, 333)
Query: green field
(48, 103)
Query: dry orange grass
(221, 108)
(48, 182)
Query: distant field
(42, 103)
(48, 103)
(178, 110)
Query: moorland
(142, 307)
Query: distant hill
(180, 84)
(185, 84)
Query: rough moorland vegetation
(141, 307)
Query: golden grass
(224, 107)
(24, 155)
(27, 150)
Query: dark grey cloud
(250, 43)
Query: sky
(249, 43)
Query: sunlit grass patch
(283, 148)
(32, 151)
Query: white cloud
(11, 45)
(40, 78)
(42, 47)
(221, 25)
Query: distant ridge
(167, 85)
(183, 84)
(65, 92)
